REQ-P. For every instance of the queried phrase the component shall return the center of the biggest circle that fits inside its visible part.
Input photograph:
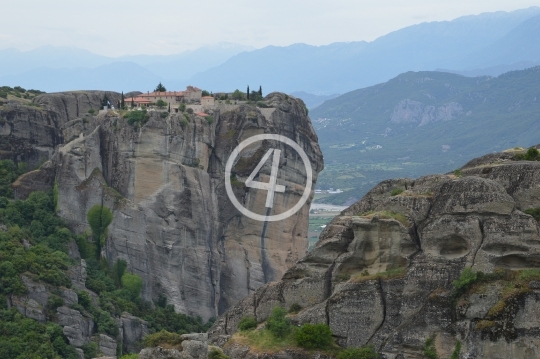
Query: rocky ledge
(431, 261)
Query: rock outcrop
(30, 133)
(164, 181)
(193, 346)
(382, 272)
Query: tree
(122, 101)
(133, 284)
(160, 88)
(247, 93)
(312, 336)
(260, 91)
(132, 103)
(160, 103)
(238, 95)
(277, 324)
(205, 93)
(169, 108)
(99, 217)
(105, 102)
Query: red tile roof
(202, 114)
(163, 94)
(137, 100)
(207, 97)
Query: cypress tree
(260, 90)
(122, 102)
(169, 108)
(132, 103)
(247, 93)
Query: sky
(121, 27)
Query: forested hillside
(423, 122)
(34, 248)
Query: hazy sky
(119, 27)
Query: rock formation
(382, 272)
(164, 181)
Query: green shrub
(3, 94)
(429, 349)
(138, 117)
(458, 173)
(295, 308)
(133, 283)
(190, 111)
(367, 352)
(105, 323)
(532, 154)
(84, 299)
(314, 336)
(247, 323)
(535, 212)
(54, 302)
(90, 350)
(164, 114)
(99, 217)
(161, 338)
(396, 191)
(209, 119)
(182, 107)
(130, 356)
(457, 350)
(217, 354)
(91, 111)
(119, 268)
(161, 103)
(277, 323)
(467, 278)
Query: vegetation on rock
(99, 217)
(247, 323)
(314, 336)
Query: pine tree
(260, 91)
(247, 93)
(160, 88)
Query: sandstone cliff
(382, 272)
(164, 181)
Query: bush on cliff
(99, 217)
(277, 323)
(163, 339)
(137, 117)
(532, 154)
(247, 323)
(314, 336)
(367, 352)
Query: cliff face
(31, 132)
(382, 272)
(173, 222)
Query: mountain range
(489, 43)
(423, 122)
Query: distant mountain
(312, 100)
(465, 43)
(186, 64)
(52, 68)
(117, 76)
(423, 122)
(14, 62)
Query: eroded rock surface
(382, 271)
(173, 222)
